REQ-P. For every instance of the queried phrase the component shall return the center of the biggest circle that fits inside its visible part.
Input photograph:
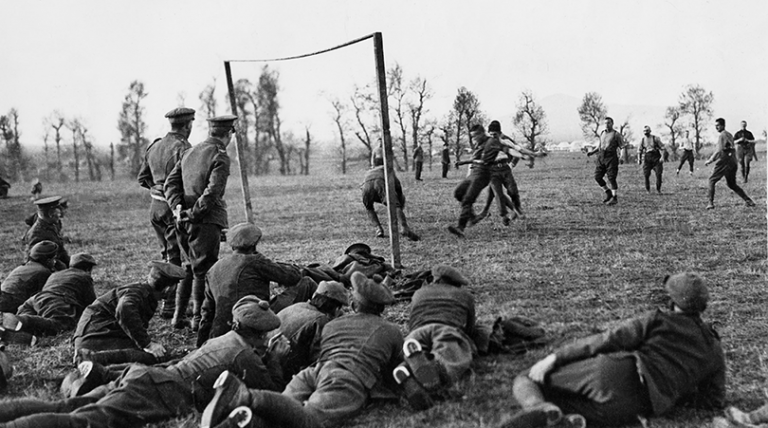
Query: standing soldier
(418, 161)
(195, 191)
(745, 149)
(160, 158)
(607, 162)
(687, 153)
(445, 158)
(651, 146)
(725, 167)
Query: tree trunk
(112, 161)
(306, 153)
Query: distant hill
(564, 122)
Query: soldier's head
(244, 237)
(687, 292)
(161, 276)
(253, 320)
(608, 123)
(646, 130)
(44, 252)
(369, 296)
(445, 274)
(494, 128)
(744, 125)
(720, 124)
(82, 261)
(49, 208)
(181, 119)
(222, 127)
(477, 132)
(330, 297)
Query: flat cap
(181, 115)
(254, 313)
(167, 270)
(358, 248)
(688, 291)
(243, 235)
(368, 290)
(333, 290)
(49, 202)
(81, 259)
(43, 250)
(448, 275)
(226, 121)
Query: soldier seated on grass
(47, 227)
(58, 306)
(246, 272)
(144, 394)
(28, 279)
(113, 329)
(642, 368)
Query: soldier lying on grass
(143, 394)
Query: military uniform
(159, 160)
(58, 306)
(45, 229)
(118, 319)
(197, 183)
(234, 277)
(418, 161)
(652, 161)
(725, 166)
(145, 395)
(22, 283)
(356, 351)
(302, 323)
(607, 161)
(445, 160)
(745, 151)
(375, 191)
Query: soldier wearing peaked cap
(28, 279)
(47, 227)
(159, 159)
(642, 367)
(194, 190)
(303, 323)
(114, 328)
(245, 272)
(143, 395)
(356, 351)
(58, 306)
(438, 350)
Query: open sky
(79, 57)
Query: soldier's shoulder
(154, 143)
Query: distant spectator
(745, 149)
(37, 189)
(687, 153)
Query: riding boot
(183, 292)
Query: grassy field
(572, 263)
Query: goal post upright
(239, 148)
(389, 173)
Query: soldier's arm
(128, 315)
(217, 182)
(174, 187)
(260, 373)
(626, 337)
(145, 175)
(284, 274)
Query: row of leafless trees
(693, 111)
(357, 118)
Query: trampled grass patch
(572, 263)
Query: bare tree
(697, 102)
(365, 107)
(208, 100)
(338, 116)
(397, 93)
(269, 104)
(530, 118)
(74, 126)
(181, 98)
(9, 130)
(243, 99)
(304, 152)
(465, 113)
(420, 94)
(56, 122)
(46, 150)
(592, 111)
(112, 161)
(132, 126)
(674, 128)
(447, 129)
(625, 129)
(429, 129)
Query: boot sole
(215, 412)
(424, 370)
(416, 395)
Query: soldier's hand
(540, 370)
(278, 347)
(155, 349)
